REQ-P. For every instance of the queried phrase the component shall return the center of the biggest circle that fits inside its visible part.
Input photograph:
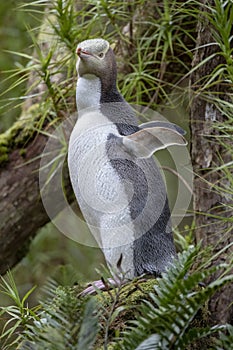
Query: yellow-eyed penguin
(116, 181)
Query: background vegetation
(14, 36)
(159, 41)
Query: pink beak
(79, 51)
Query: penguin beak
(80, 52)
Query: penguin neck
(109, 92)
(92, 92)
(88, 92)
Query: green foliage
(167, 320)
(185, 238)
(156, 49)
(221, 18)
(226, 339)
(159, 40)
(159, 44)
(219, 15)
(18, 315)
(152, 43)
(66, 323)
(61, 322)
(13, 37)
(172, 316)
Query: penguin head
(96, 57)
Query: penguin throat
(88, 92)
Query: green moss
(131, 296)
(131, 293)
(110, 347)
(3, 157)
(20, 132)
(4, 150)
(22, 152)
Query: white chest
(98, 188)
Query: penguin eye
(101, 55)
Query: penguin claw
(96, 286)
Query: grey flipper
(162, 124)
(143, 143)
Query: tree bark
(21, 211)
(210, 205)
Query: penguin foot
(94, 287)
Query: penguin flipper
(163, 124)
(143, 143)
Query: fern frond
(89, 327)
(168, 317)
(226, 339)
(66, 322)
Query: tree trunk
(207, 154)
(22, 212)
